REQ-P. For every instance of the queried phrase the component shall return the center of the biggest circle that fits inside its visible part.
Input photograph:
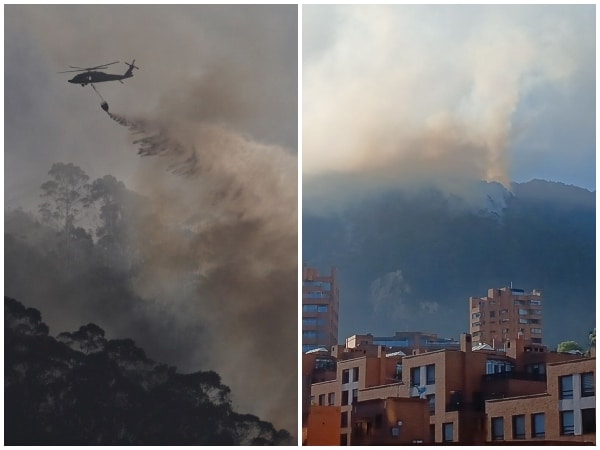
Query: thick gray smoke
(214, 109)
(225, 221)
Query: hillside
(410, 260)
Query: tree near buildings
(569, 346)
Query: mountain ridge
(411, 260)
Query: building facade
(565, 412)
(320, 309)
(357, 368)
(404, 341)
(455, 386)
(504, 314)
(390, 421)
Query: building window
(309, 308)
(536, 370)
(497, 428)
(448, 431)
(309, 334)
(395, 431)
(354, 396)
(344, 439)
(566, 387)
(538, 425)
(321, 308)
(345, 376)
(430, 372)
(344, 422)
(355, 374)
(567, 423)
(398, 371)
(331, 399)
(587, 384)
(322, 400)
(313, 400)
(311, 322)
(536, 331)
(431, 400)
(415, 376)
(518, 427)
(588, 420)
(496, 366)
(492, 313)
(344, 398)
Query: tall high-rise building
(506, 313)
(320, 309)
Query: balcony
(512, 375)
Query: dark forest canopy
(83, 389)
(99, 253)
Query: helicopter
(91, 75)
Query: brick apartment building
(452, 387)
(404, 341)
(320, 309)
(504, 314)
(357, 368)
(566, 412)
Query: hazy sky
(406, 93)
(221, 83)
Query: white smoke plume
(402, 94)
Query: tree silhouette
(65, 194)
(82, 389)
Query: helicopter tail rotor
(132, 65)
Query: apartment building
(404, 341)
(564, 413)
(454, 384)
(317, 366)
(357, 368)
(320, 309)
(504, 314)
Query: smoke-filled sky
(245, 56)
(404, 93)
(219, 251)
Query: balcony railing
(512, 375)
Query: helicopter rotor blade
(67, 71)
(83, 69)
(102, 66)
